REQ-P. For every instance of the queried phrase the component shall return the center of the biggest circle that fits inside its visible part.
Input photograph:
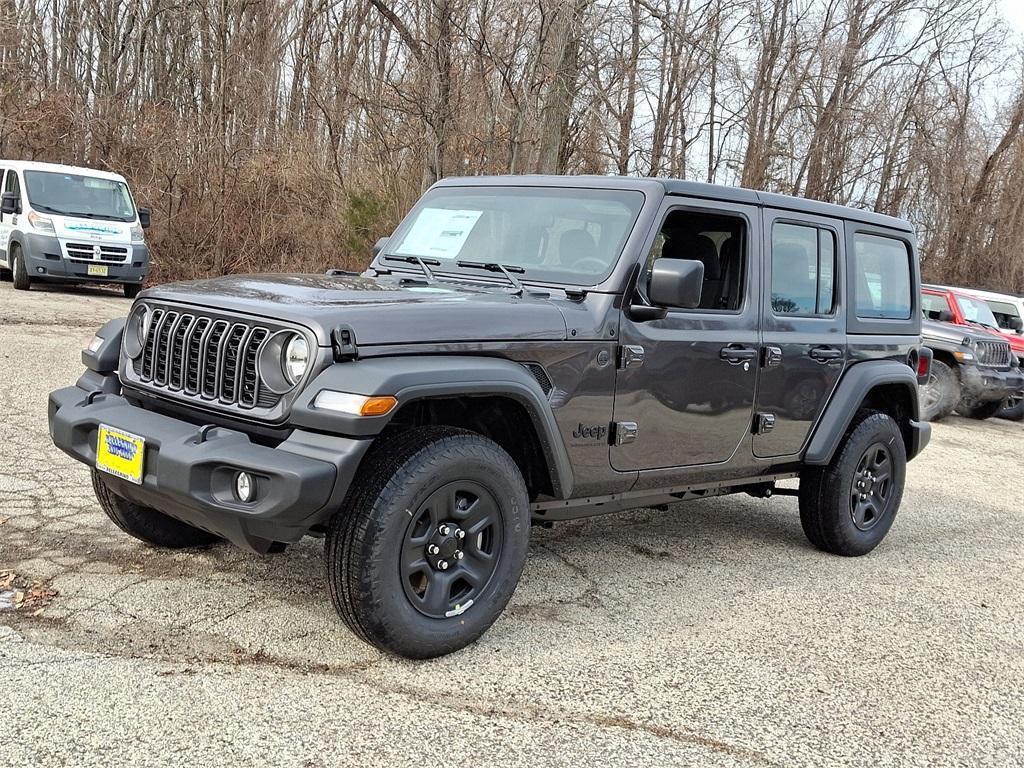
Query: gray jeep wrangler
(521, 350)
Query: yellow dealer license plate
(98, 270)
(120, 453)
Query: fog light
(245, 487)
(41, 270)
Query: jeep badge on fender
(421, 415)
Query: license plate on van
(97, 270)
(120, 453)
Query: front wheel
(941, 393)
(847, 507)
(979, 411)
(1013, 408)
(429, 546)
(22, 282)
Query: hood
(955, 334)
(379, 310)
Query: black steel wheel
(1013, 408)
(872, 488)
(452, 545)
(848, 506)
(428, 547)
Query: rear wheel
(430, 544)
(941, 393)
(22, 281)
(146, 524)
(980, 410)
(1013, 408)
(847, 507)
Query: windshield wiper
(422, 263)
(493, 266)
(76, 214)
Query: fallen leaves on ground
(18, 593)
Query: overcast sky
(1014, 12)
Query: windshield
(976, 311)
(555, 235)
(68, 194)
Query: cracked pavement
(711, 634)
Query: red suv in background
(951, 305)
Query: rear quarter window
(881, 277)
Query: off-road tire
(366, 537)
(22, 282)
(826, 493)
(939, 397)
(1013, 409)
(980, 410)
(131, 290)
(147, 524)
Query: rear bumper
(986, 385)
(299, 483)
(44, 261)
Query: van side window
(803, 270)
(881, 275)
(11, 182)
(716, 240)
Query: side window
(933, 305)
(803, 270)
(717, 240)
(881, 277)
(11, 182)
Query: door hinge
(630, 356)
(772, 356)
(764, 423)
(624, 432)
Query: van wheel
(847, 507)
(131, 290)
(941, 393)
(430, 543)
(22, 281)
(147, 524)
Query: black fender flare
(422, 377)
(853, 388)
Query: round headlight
(137, 331)
(296, 359)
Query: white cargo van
(69, 224)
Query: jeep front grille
(210, 358)
(993, 353)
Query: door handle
(825, 354)
(735, 353)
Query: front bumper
(986, 385)
(190, 476)
(45, 261)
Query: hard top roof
(31, 165)
(687, 189)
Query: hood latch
(343, 342)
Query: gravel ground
(712, 634)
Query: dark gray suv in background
(521, 350)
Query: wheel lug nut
(459, 555)
(444, 530)
(432, 549)
(460, 534)
(443, 565)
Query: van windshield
(69, 194)
(546, 234)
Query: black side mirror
(944, 316)
(379, 246)
(1016, 324)
(676, 283)
(145, 218)
(10, 203)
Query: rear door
(803, 328)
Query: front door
(686, 382)
(5, 221)
(804, 328)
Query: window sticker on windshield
(438, 232)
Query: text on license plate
(98, 270)
(120, 453)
